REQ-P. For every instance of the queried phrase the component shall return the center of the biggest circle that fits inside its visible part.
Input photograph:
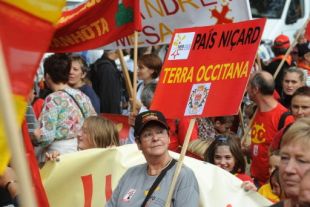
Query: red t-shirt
(177, 139)
(243, 177)
(263, 130)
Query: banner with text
(206, 69)
(87, 178)
(161, 18)
(96, 23)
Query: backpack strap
(78, 105)
(282, 119)
(157, 181)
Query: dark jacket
(106, 80)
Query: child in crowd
(223, 124)
(96, 132)
(272, 189)
(225, 152)
(207, 129)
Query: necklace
(158, 171)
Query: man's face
(222, 128)
(300, 106)
(291, 82)
(251, 92)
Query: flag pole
(125, 72)
(15, 141)
(135, 59)
(180, 161)
(240, 113)
(290, 48)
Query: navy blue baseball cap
(147, 117)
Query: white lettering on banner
(160, 18)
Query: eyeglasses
(147, 135)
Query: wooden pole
(180, 162)
(125, 72)
(241, 120)
(243, 139)
(15, 141)
(135, 58)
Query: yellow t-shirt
(266, 191)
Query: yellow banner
(49, 10)
(86, 178)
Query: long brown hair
(234, 147)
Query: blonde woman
(295, 160)
(96, 132)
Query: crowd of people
(66, 116)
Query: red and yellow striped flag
(26, 29)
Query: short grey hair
(148, 93)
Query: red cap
(281, 41)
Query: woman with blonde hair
(97, 132)
(295, 160)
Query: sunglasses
(221, 138)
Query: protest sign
(87, 178)
(206, 69)
(94, 24)
(161, 18)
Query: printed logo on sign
(197, 99)
(181, 46)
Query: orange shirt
(304, 66)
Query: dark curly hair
(57, 66)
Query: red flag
(33, 166)
(96, 23)
(307, 35)
(26, 30)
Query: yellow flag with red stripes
(26, 29)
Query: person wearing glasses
(225, 152)
(148, 184)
